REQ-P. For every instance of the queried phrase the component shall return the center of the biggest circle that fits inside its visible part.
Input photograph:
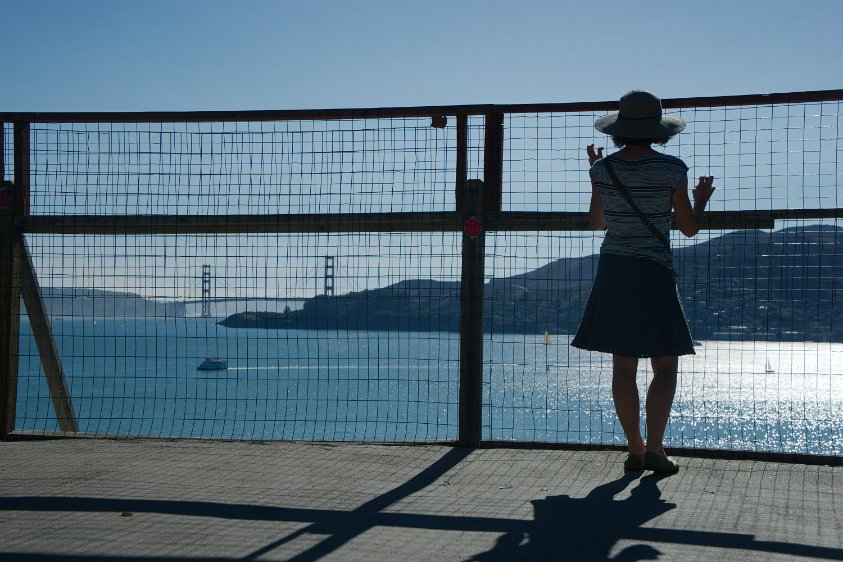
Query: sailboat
(769, 368)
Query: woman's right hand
(702, 193)
(593, 156)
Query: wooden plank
(243, 224)
(46, 343)
(471, 321)
(736, 220)
(519, 221)
(21, 168)
(246, 116)
(811, 96)
(549, 221)
(374, 222)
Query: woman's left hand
(593, 156)
(702, 193)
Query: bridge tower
(206, 291)
(329, 276)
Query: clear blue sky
(112, 55)
(122, 55)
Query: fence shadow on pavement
(563, 526)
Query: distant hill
(94, 302)
(416, 305)
(785, 285)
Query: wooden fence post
(462, 160)
(471, 315)
(493, 162)
(9, 293)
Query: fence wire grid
(355, 335)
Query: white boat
(213, 364)
(769, 368)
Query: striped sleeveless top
(651, 181)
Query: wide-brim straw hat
(640, 117)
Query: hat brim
(656, 128)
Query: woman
(633, 310)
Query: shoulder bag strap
(625, 192)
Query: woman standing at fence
(633, 310)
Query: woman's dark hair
(621, 142)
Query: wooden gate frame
(476, 200)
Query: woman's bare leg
(660, 399)
(627, 404)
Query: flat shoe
(660, 464)
(634, 463)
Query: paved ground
(95, 500)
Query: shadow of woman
(567, 528)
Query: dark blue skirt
(634, 310)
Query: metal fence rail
(360, 303)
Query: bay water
(139, 377)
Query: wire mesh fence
(353, 333)
(763, 304)
(234, 168)
(763, 308)
(240, 335)
(770, 156)
(136, 346)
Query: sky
(159, 55)
(120, 55)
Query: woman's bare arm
(687, 219)
(596, 217)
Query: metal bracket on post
(471, 315)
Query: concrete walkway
(95, 500)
